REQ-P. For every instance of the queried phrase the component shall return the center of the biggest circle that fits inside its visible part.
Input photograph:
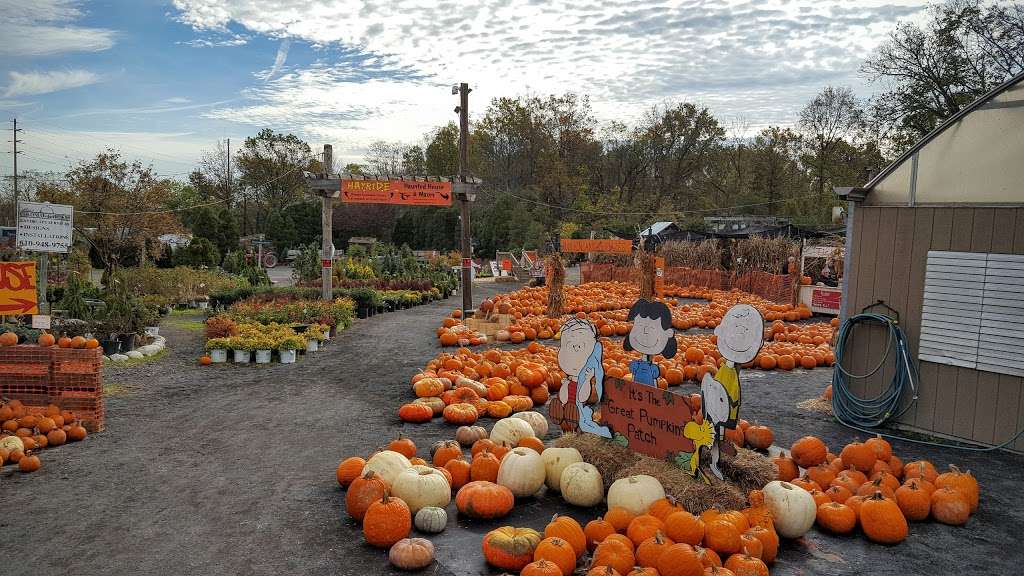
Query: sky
(165, 81)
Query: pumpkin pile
(867, 485)
(646, 535)
(606, 304)
(25, 433)
(46, 340)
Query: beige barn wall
(889, 252)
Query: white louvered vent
(973, 314)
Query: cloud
(177, 100)
(233, 40)
(33, 83)
(758, 59)
(168, 105)
(46, 27)
(279, 59)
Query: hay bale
(607, 456)
(819, 405)
(747, 471)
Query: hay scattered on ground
(816, 405)
(746, 471)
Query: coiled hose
(863, 414)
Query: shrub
(221, 326)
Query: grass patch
(186, 324)
(117, 389)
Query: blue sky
(164, 81)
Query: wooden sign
(608, 246)
(406, 192)
(18, 288)
(647, 419)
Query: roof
(858, 193)
(657, 228)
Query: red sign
(18, 293)
(325, 263)
(466, 262)
(649, 419)
(409, 192)
(506, 265)
(827, 299)
(609, 246)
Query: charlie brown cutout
(579, 356)
(740, 336)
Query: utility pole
(464, 198)
(15, 141)
(326, 223)
(229, 173)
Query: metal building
(939, 236)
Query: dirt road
(230, 470)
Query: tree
(930, 71)
(833, 116)
(271, 166)
(199, 253)
(117, 207)
(441, 158)
(776, 169)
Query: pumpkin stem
(876, 496)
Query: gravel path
(230, 470)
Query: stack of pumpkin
(643, 533)
(868, 485)
(25, 433)
(394, 490)
(453, 332)
(465, 386)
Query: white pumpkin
(581, 484)
(422, 486)
(536, 420)
(522, 472)
(555, 462)
(389, 464)
(635, 493)
(792, 508)
(11, 443)
(509, 431)
(431, 519)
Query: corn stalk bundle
(703, 255)
(645, 273)
(556, 284)
(764, 254)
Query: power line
(656, 213)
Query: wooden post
(467, 245)
(44, 303)
(326, 222)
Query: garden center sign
(408, 192)
(44, 227)
(18, 288)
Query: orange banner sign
(410, 192)
(610, 246)
(18, 288)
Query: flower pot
(263, 356)
(242, 356)
(110, 347)
(127, 342)
(152, 331)
(312, 345)
(334, 331)
(287, 356)
(361, 313)
(203, 304)
(218, 355)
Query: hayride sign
(406, 192)
(18, 288)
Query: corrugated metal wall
(890, 248)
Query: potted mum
(264, 349)
(287, 348)
(314, 335)
(218, 349)
(243, 348)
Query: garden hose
(865, 414)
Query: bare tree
(833, 116)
